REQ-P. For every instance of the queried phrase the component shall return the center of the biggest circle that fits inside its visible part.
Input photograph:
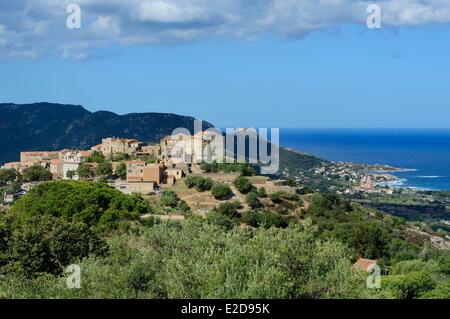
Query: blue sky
(342, 76)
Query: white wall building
(72, 161)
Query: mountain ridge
(54, 126)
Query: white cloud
(30, 28)
(105, 27)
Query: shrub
(244, 185)
(276, 197)
(79, 201)
(263, 219)
(229, 209)
(210, 167)
(252, 200)
(262, 192)
(204, 184)
(47, 244)
(200, 260)
(201, 184)
(250, 218)
(191, 181)
(409, 286)
(104, 169)
(169, 199)
(36, 173)
(184, 207)
(96, 157)
(268, 219)
(121, 171)
(221, 191)
(220, 220)
(7, 175)
(84, 171)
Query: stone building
(112, 145)
(139, 171)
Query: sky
(265, 63)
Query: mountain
(50, 126)
(53, 126)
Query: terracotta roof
(364, 264)
(56, 161)
(37, 153)
(10, 164)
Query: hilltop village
(136, 167)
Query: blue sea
(426, 152)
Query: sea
(423, 153)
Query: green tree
(251, 218)
(84, 171)
(96, 157)
(78, 201)
(252, 200)
(47, 244)
(220, 220)
(7, 175)
(263, 219)
(262, 192)
(71, 174)
(247, 170)
(229, 209)
(243, 185)
(210, 167)
(120, 157)
(201, 184)
(169, 199)
(191, 181)
(104, 169)
(122, 171)
(184, 207)
(36, 173)
(204, 184)
(268, 219)
(276, 197)
(221, 191)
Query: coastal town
(347, 177)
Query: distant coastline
(419, 158)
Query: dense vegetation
(201, 184)
(7, 175)
(242, 168)
(369, 234)
(124, 256)
(94, 204)
(44, 244)
(197, 260)
(425, 207)
(36, 173)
